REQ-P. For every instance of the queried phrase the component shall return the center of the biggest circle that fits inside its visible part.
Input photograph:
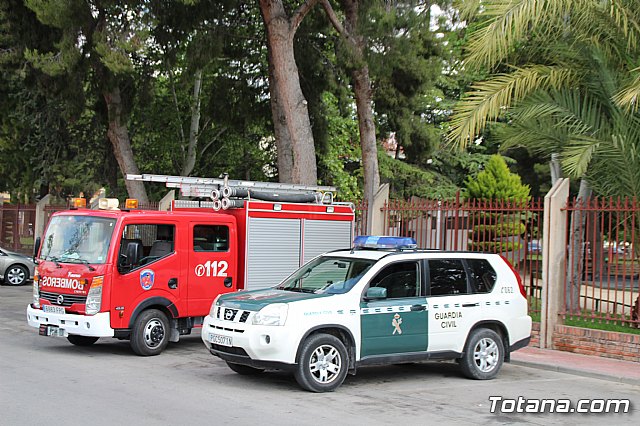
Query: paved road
(47, 381)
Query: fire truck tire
(82, 340)
(244, 370)
(150, 333)
(483, 355)
(323, 363)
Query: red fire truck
(151, 276)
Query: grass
(585, 321)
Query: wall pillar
(554, 258)
(38, 226)
(375, 215)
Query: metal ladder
(230, 192)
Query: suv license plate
(53, 309)
(217, 339)
(51, 330)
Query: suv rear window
(483, 277)
(447, 277)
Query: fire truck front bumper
(252, 345)
(51, 324)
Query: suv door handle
(470, 305)
(418, 308)
(173, 283)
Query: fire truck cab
(151, 276)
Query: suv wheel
(483, 355)
(323, 363)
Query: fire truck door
(155, 273)
(212, 265)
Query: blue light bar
(384, 242)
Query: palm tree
(571, 84)
(566, 77)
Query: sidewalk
(581, 365)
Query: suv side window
(400, 279)
(482, 275)
(210, 238)
(447, 277)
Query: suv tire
(483, 355)
(323, 363)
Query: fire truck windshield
(77, 239)
(327, 275)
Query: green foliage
(496, 182)
(407, 180)
(343, 156)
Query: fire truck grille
(232, 315)
(67, 299)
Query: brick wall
(587, 341)
(535, 335)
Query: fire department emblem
(146, 279)
(396, 324)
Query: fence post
(553, 259)
(165, 203)
(375, 225)
(38, 228)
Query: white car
(382, 302)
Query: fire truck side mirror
(36, 248)
(127, 260)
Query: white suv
(382, 302)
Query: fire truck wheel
(483, 355)
(323, 363)
(82, 340)
(150, 333)
(244, 370)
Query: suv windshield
(77, 239)
(327, 275)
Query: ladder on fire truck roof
(225, 188)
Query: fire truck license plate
(52, 309)
(217, 339)
(51, 330)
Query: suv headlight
(214, 305)
(275, 314)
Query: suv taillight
(517, 275)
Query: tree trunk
(119, 137)
(194, 130)
(364, 100)
(368, 143)
(577, 248)
(289, 107)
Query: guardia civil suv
(382, 302)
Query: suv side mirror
(376, 293)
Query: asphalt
(578, 364)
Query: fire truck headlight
(36, 294)
(94, 298)
(275, 314)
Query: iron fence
(603, 267)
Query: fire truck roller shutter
(273, 251)
(321, 236)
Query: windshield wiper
(86, 263)
(54, 260)
(299, 290)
